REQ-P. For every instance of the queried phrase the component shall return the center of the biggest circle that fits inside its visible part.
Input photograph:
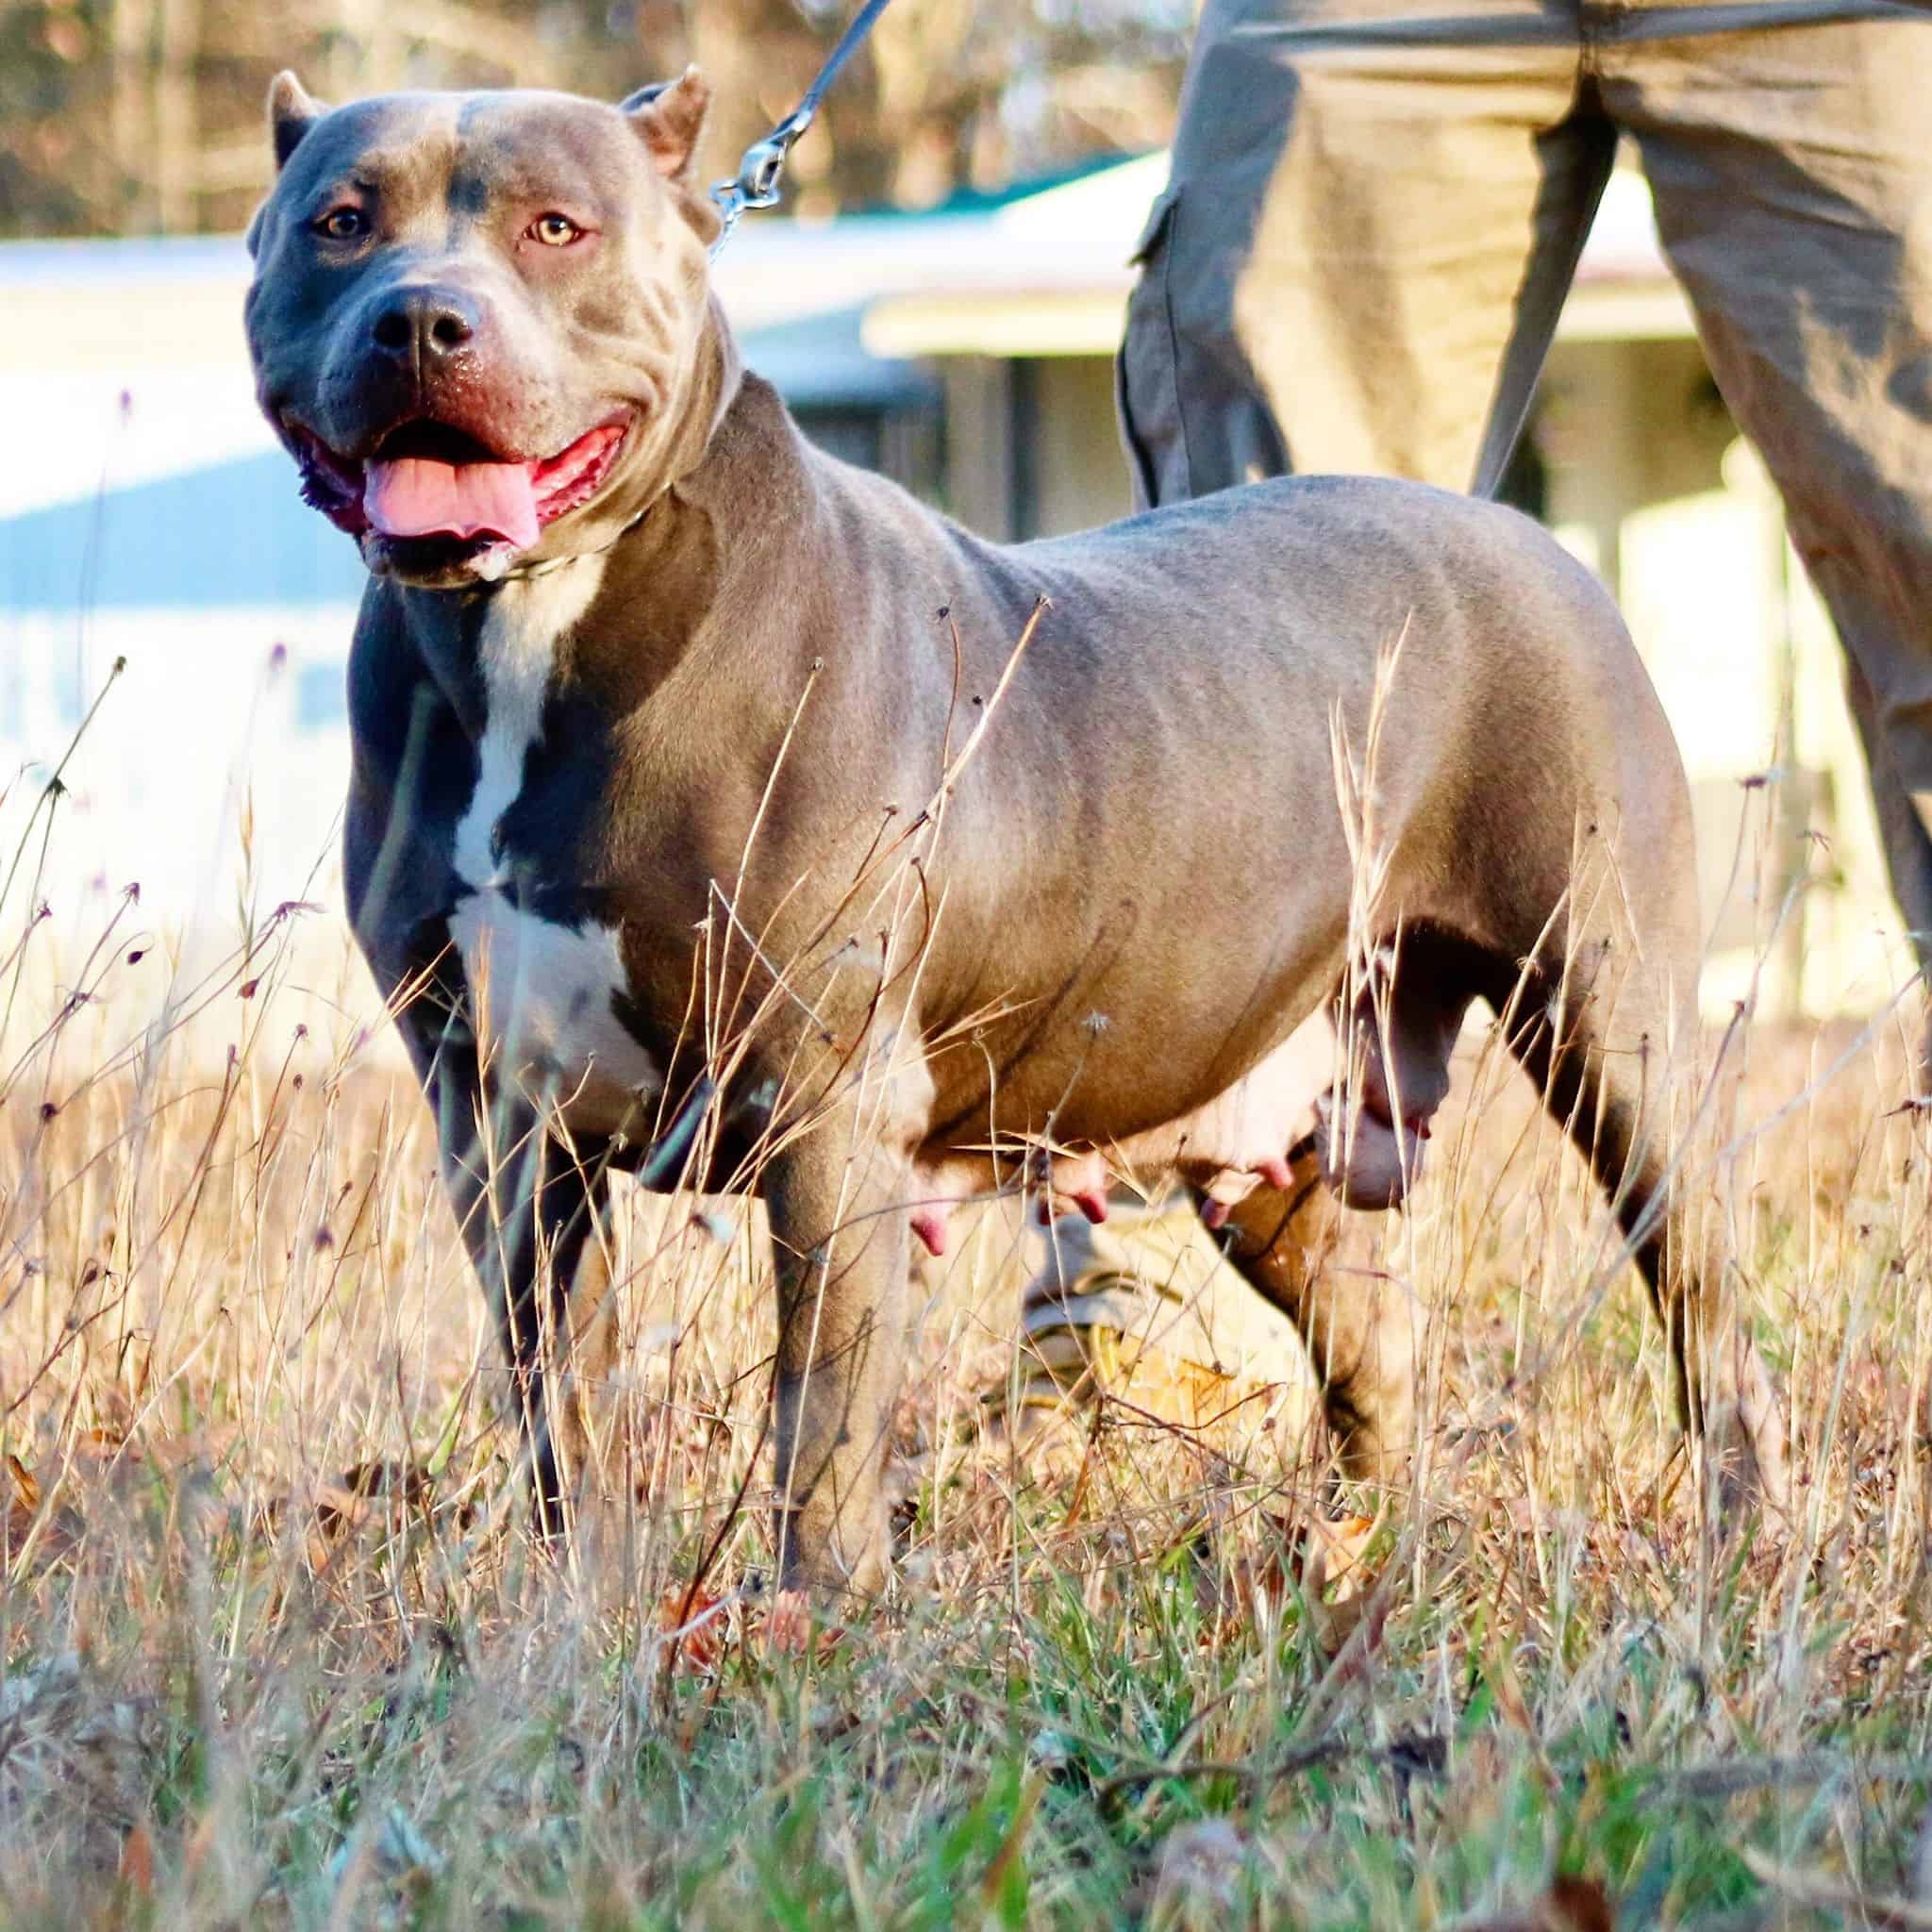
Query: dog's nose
(424, 326)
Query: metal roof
(68, 303)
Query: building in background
(966, 351)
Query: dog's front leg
(527, 1208)
(839, 1209)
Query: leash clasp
(764, 160)
(755, 183)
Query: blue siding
(233, 534)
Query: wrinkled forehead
(474, 150)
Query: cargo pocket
(1146, 372)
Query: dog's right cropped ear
(292, 110)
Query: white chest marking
(545, 989)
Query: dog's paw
(791, 1629)
(1746, 1439)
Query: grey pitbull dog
(720, 811)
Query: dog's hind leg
(1606, 1029)
(1362, 1328)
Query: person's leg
(1374, 212)
(1793, 185)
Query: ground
(279, 1648)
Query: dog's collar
(521, 572)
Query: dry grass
(279, 1647)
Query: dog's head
(479, 321)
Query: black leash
(755, 183)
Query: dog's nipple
(929, 1225)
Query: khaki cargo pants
(1376, 210)
(1374, 213)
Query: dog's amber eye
(555, 230)
(342, 223)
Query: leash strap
(755, 183)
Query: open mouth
(428, 479)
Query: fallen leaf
(1571, 1904)
(137, 1869)
(698, 1622)
(27, 1527)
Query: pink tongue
(416, 497)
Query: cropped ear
(292, 110)
(669, 117)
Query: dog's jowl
(718, 809)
